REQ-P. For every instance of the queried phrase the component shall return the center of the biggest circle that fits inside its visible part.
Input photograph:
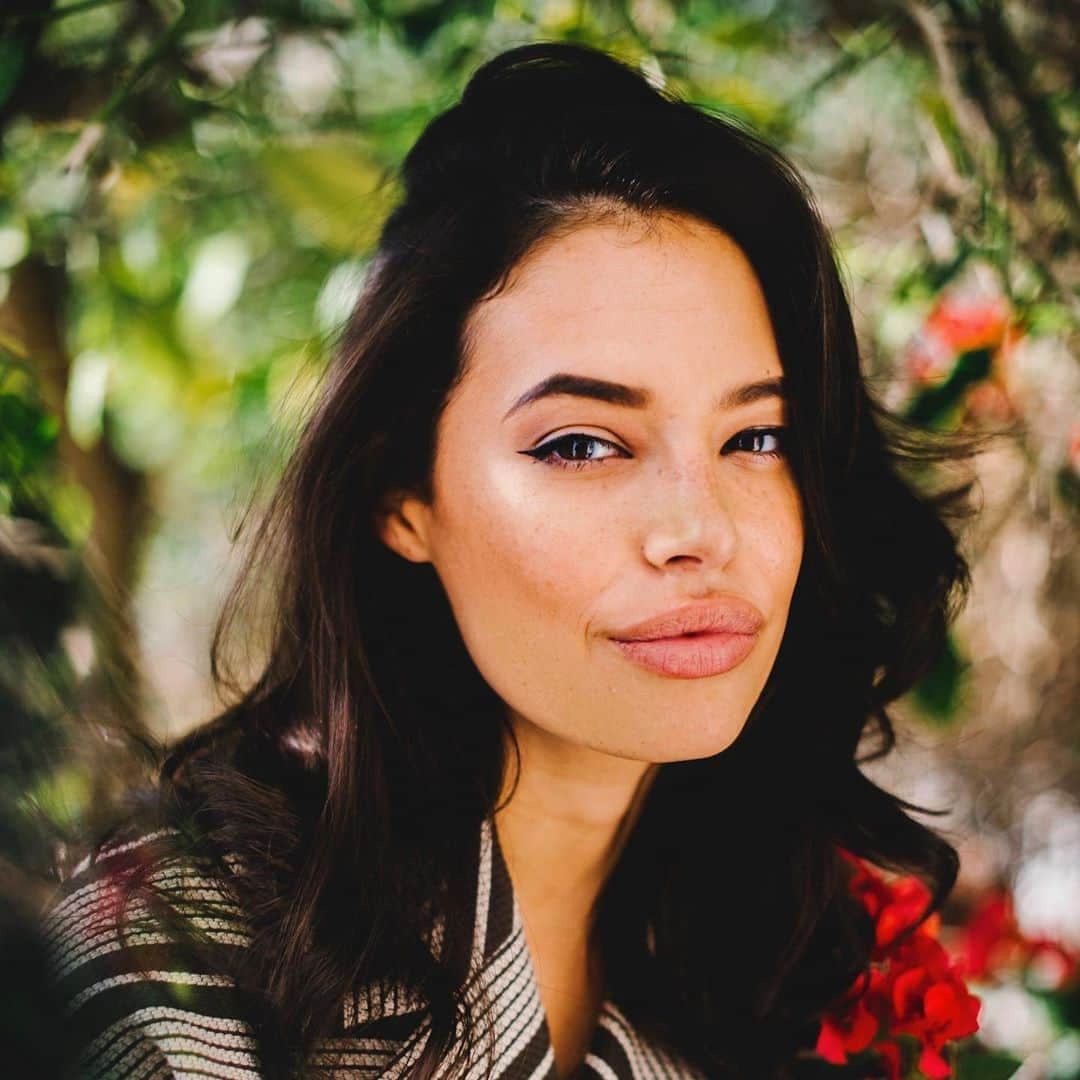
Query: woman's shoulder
(139, 943)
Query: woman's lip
(694, 656)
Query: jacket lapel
(503, 992)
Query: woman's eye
(572, 451)
(774, 438)
(577, 450)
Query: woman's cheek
(553, 556)
(777, 532)
(513, 553)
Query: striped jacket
(147, 1011)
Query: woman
(593, 564)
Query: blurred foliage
(190, 192)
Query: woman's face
(557, 523)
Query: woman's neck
(561, 834)
(565, 826)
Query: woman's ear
(402, 522)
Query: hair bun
(553, 74)
(515, 105)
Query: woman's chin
(678, 743)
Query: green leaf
(1047, 319)
(940, 113)
(732, 94)
(1063, 1004)
(335, 189)
(13, 50)
(938, 692)
(925, 281)
(27, 437)
(934, 405)
(978, 1063)
(1067, 483)
(62, 796)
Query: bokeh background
(189, 195)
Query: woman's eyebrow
(636, 397)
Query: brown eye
(761, 442)
(572, 451)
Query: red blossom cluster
(962, 322)
(992, 944)
(912, 987)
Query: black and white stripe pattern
(144, 1010)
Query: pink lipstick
(694, 641)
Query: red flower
(967, 322)
(891, 1059)
(927, 359)
(1056, 965)
(964, 322)
(991, 939)
(911, 988)
(992, 943)
(893, 907)
(930, 1000)
(854, 1024)
(958, 323)
(909, 900)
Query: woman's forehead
(656, 306)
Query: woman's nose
(690, 518)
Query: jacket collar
(502, 968)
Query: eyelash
(545, 453)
